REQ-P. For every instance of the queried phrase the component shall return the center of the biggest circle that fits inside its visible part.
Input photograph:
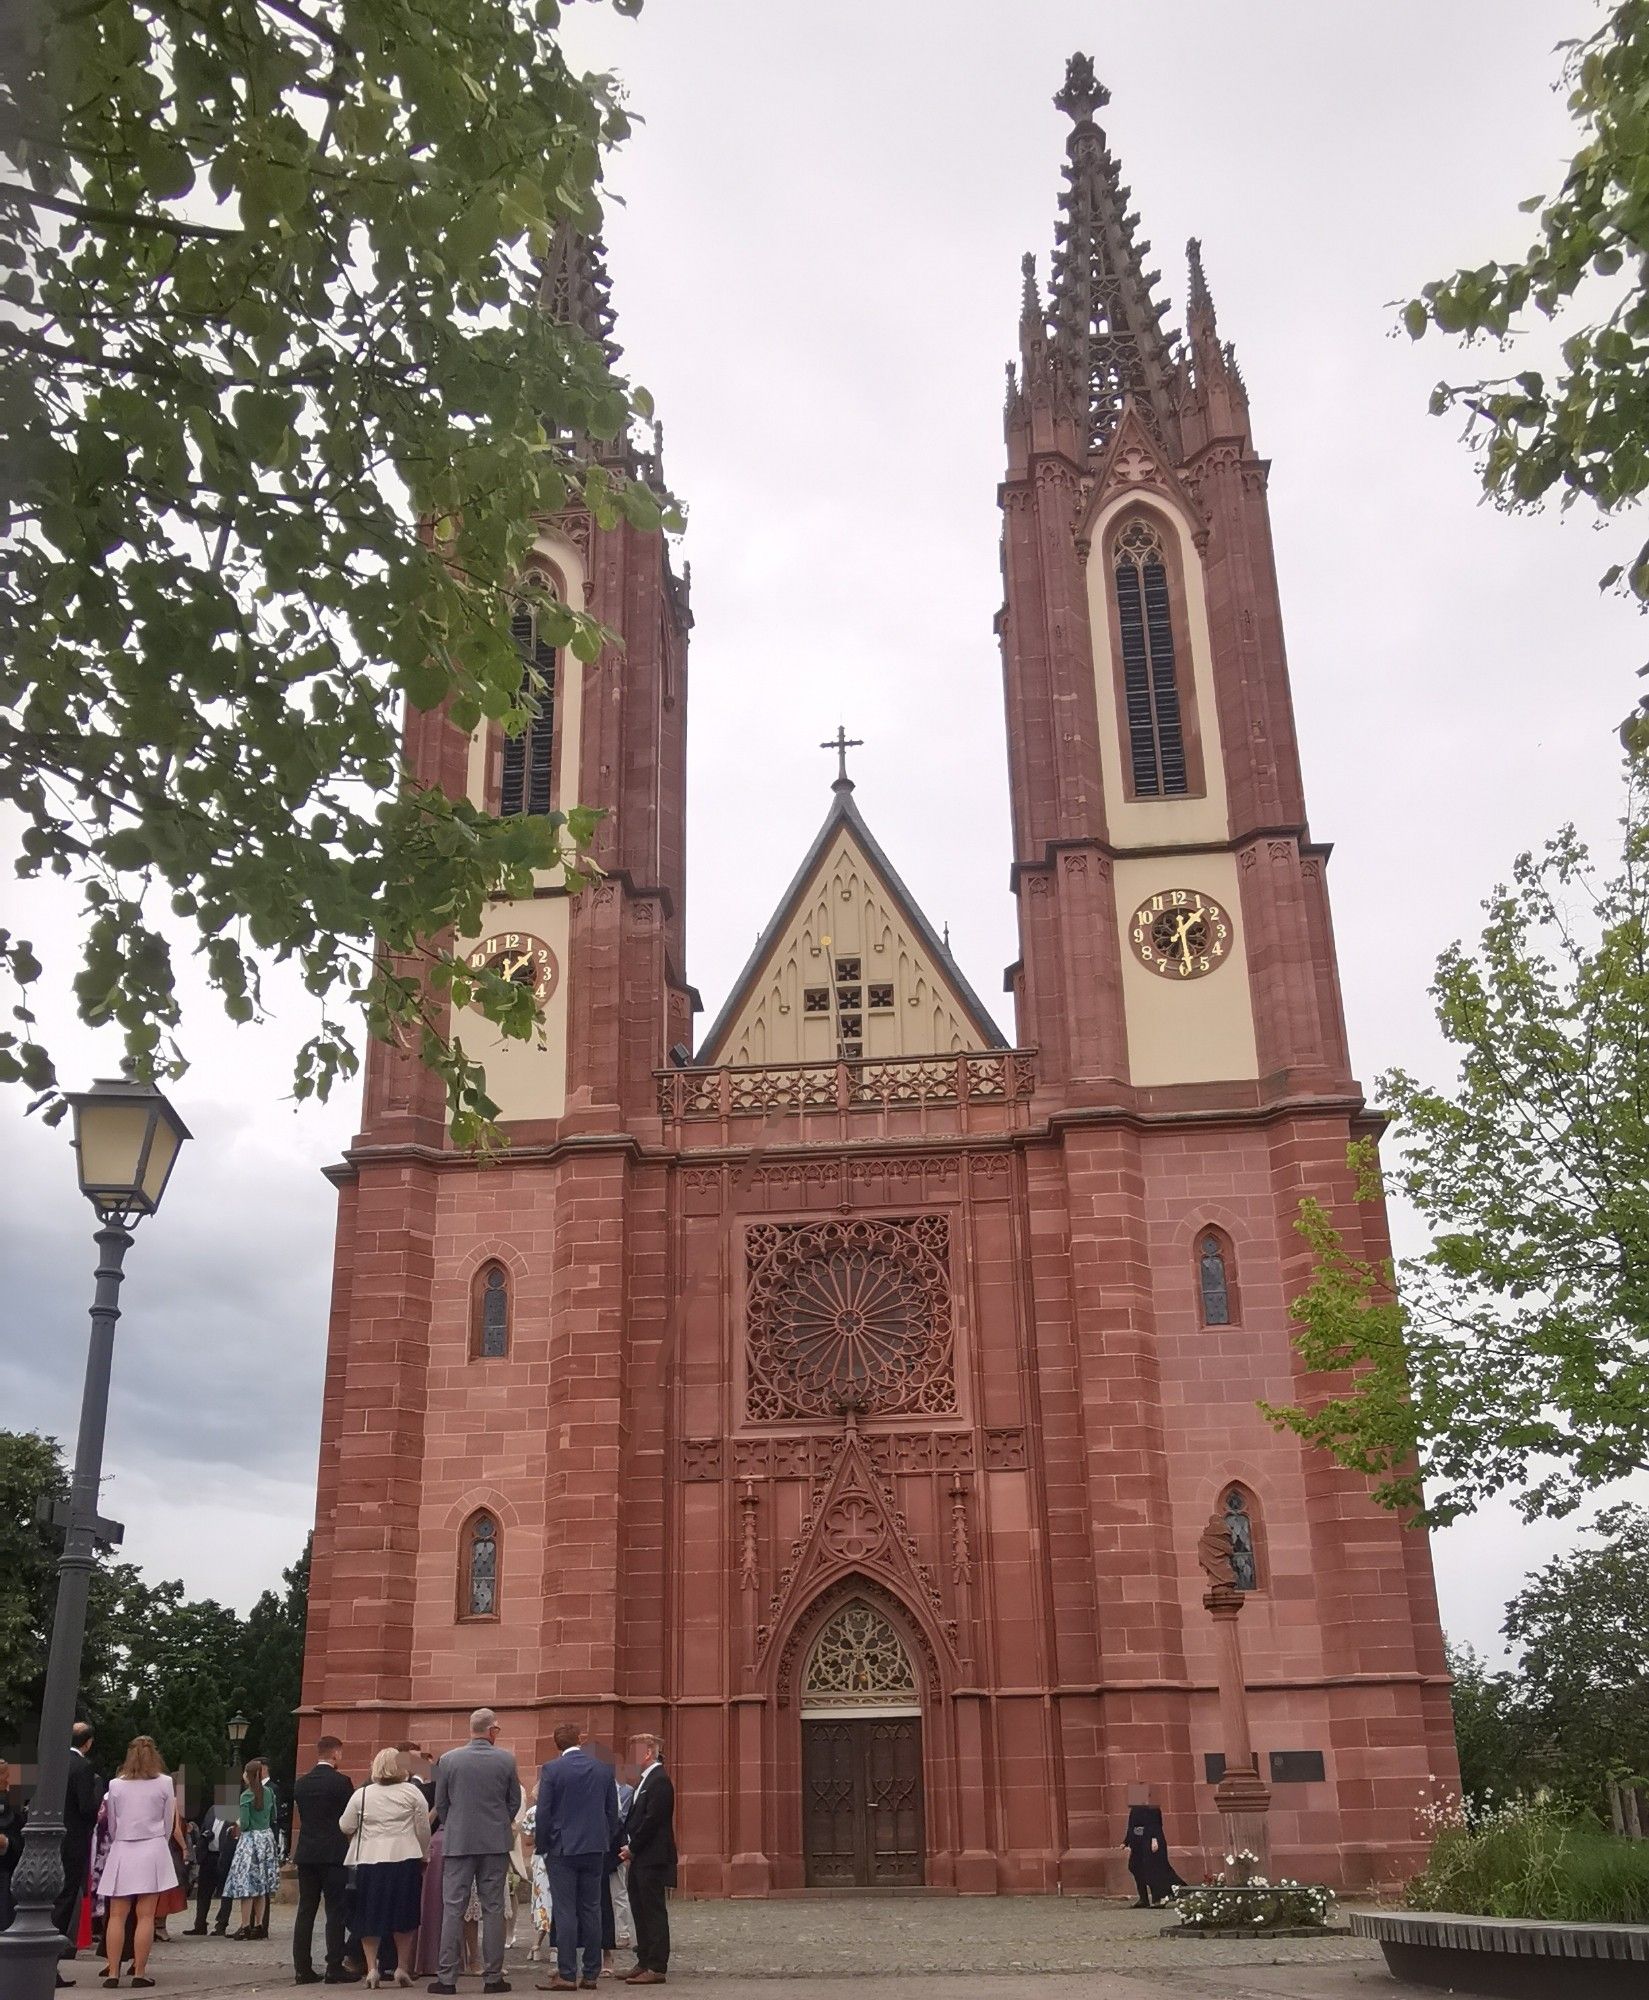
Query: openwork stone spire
(576, 290)
(1106, 326)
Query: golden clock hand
(509, 967)
(1181, 935)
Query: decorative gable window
(1150, 686)
(527, 773)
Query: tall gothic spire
(1105, 324)
(576, 290)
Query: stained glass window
(492, 1333)
(1214, 1281)
(1239, 1525)
(481, 1567)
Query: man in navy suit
(574, 1827)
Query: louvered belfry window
(1156, 736)
(529, 758)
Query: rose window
(849, 1315)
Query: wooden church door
(861, 1758)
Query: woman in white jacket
(387, 1821)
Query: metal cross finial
(842, 743)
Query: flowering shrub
(1251, 1903)
(1534, 1857)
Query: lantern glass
(238, 1726)
(127, 1137)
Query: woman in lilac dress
(140, 1806)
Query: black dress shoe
(310, 1978)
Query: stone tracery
(851, 1314)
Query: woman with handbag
(388, 1823)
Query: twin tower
(842, 1394)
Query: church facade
(843, 1393)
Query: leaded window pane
(1216, 1286)
(483, 1567)
(495, 1315)
(1240, 1526)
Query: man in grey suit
(477, 1796)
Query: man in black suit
(320, 1796)
(650, 1848)
(81, 1798)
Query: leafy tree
(1587, 428)
(155, 1662)
(1515, 1354)
(278, 407)
(33, 1480)
(1579, 1626)
(1493, 1731)
(272, 1672)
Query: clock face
(520, 957)
(1181, 934)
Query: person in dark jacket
(1148, 1861)
(206, 1839)
(650, 1849)
(573, 1829)
(319, 1853)
(82, 1796)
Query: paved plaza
(901, 1947)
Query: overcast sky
(816, 270)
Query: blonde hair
(389, 1767)
(143, 1760)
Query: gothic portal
(843, 1394)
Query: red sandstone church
(845, 1396)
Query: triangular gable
(1135, 462)
(854, 1529)
(794, 1000)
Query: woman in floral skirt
(255, 1872)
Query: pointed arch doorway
(861, 1714)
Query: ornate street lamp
(238, 1726)
(126, 1137)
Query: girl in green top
(255, 1872)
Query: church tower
(846, 1397)
(453, 1486)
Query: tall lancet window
(478, 1582)
(1156, 732)
(528, 766)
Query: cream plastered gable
(847, 908)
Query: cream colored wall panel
(526, 1079)
(1185, 1030)
(1156, 822)
(846, 912)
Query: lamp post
(237, 1727)
(126, 1138)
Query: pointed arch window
(490, 1314)
(859, 1662)
(1237, 1506)
(1216, 1278)
(527, 773)
(478, 1566)
(1158, 765)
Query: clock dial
(520, 957)
(1181, 934)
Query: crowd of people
(423, 1870)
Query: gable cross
(842, 743)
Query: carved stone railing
(1004, 1076)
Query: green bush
(1534, 1858)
